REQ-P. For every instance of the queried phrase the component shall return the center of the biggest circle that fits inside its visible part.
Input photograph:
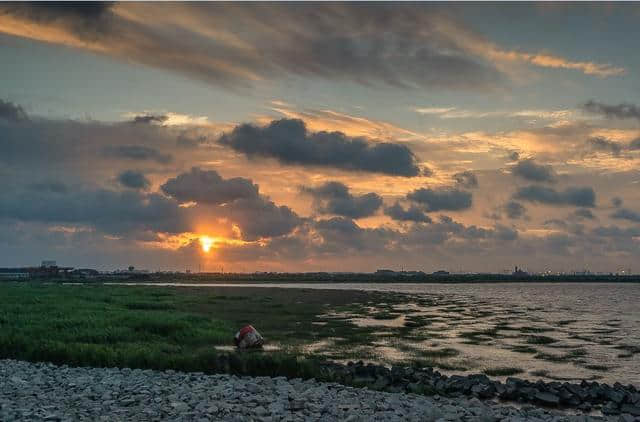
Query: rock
(610, 408)
(104, 394)
(630, 409)
(547, 399)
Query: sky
(320, 136)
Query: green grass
(178, 327)
(163, 327)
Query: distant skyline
(320, 136)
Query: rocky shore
(586, 396)
(45, 392)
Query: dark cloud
(528, 169)
(340, 234)
(505, 233)
(149, 119)
(626, 214)
(413, 213)
(515, 210)
(448, 199)
(138, 152)
(207, 186)
(113, 212)
(12, 112)
(583, 214)
(187, 140)
(334, 198)
(576, 196)
(514, 156)
(288, 141)
(446, 229)
(616, 201)
(466, 179)
(618, 111)
(556, 222)
(235, 199)
(259, 217)
(87, 20)
(133, 179)
(616, 232)
(600, 143)
(329, 41)
(635, 144)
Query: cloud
(634, 144)
(12, 112)
(288, 141)
(421, 46)
(466, 179)
(355, 126)
(456, 113)
(235, 199)
(340, 234)
(584, 214)
(259, 217)
(449, 199)
(138, 153)
(413, 213)
(589, 68)
(576, 196)
(149, 118)
(618, 111)
(616, 201)
(626, 214)
(334, 198)
(600, 143)
(133, 179)
(113, 212)
(208, 187)
(330, 41)
(515, 210)
(528, 169)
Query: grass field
(172, 327)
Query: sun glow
(206, 242)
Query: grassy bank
(171, 327)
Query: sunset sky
(321, 137)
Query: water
(592, 329)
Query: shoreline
(40, 391)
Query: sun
(206, 242)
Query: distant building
(440, 272)
(517, 272)
(49, 264)
(14, 273)
(85, 272)
(384, 272)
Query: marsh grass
(169, 327)
(502, 371)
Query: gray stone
(548, 399)
(630, 409)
